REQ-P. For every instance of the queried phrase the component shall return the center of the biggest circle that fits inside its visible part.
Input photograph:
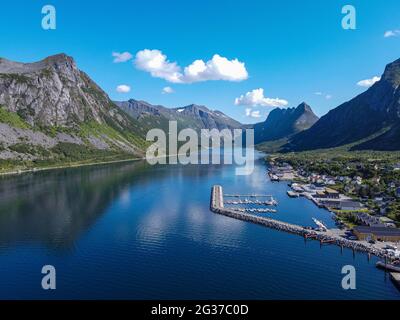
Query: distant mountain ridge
(369, 121)
(283, 123)
(192, 116)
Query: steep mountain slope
(51, 105)
(387, 141)
(192, 116)
(283, 123)
(374, 113)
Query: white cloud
(368, 82)
(253, 114)
(123, 88)
(121, 57)
(326, 95)
(392, 33)
(155, 62)
(167, 90)
(218, 68)
(256, 98)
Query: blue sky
(291, 49)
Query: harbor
(325, 236)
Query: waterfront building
(349, 205)
(328, 194)
(377, 233)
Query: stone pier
(217, 206)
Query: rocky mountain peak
(283, 123)
(304, 107)
(59, 62)
(195, 108)
(392, 73)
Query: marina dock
(395, 277)
(248, 195)
(217, 206)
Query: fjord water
(133, 231)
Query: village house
(377, 233)
(328, 194)
(366, 219)
(330, 181)
(357, 181)
(348, 205)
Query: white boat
(320, 224)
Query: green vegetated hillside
(52, 113)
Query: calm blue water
(131, 231)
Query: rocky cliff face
(283, 123)
(53, 98)
(373, 116)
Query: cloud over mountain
(368, 82)
(256, 98)
(167, 90)
(253, 114)
(218, 68)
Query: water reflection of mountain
(55, 207)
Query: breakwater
(217, 206)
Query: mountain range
(370, 121)
(192, 116)
(51, 111)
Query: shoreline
(13, 172)
(72, 166)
